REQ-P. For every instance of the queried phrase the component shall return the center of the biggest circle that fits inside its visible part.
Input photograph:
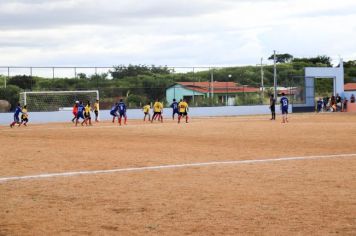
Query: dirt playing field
(313, 194)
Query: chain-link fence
(139, 85)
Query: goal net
(56, 100)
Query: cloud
(172, 32)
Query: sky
(173, 32)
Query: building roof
(217, 87)
(350, 87)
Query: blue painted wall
(178, 91)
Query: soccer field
(212, 176)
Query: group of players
(180, 108)
(83, 112)
(24, 116)
(284, 107)
(119, 110)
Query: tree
(282, 58)
(319, 60)
(23, 81)
(82, 75)
(122, 71)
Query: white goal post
(56, 100)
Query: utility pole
(275, 75)
(262, 77)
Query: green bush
(23, 81)
(10, 94)
(136, 101)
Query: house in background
(225, 92)
(350, 87)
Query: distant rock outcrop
(5, 106)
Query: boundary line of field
(176, 166)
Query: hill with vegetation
(138, 84)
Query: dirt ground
(294, 197)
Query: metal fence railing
(138, 85)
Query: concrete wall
(321, 72)
(348, 94)
(66, 116)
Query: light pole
(227, 89)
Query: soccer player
(122, 111)
(80, 114)
(87, 110)
(157, 111)
(284, 107)
(75, 111)
(146, 111)
(174, 106)
(24, 116)
(18, 110)
(183, 111)
(113, 111)
(96, 110)
(272, 106)
(319, 105)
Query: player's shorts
(80, 115)
(183, 113)
(24, 120)
(114, 114)
(96, 113)
(16, 118)
(273, 108)
(75, 114)
(122, 114)
(175, 112)
(146, 113)
(284, 110)
(157, 113)
(87, 115)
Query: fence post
(212, 86)
(8, 76)
(193, 86)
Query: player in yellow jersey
(24, 116)
(96, 110)
(157, 111)
(183, 111)
(87, 117)
(146, 111)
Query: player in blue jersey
(174, 106)
(284, 107)
(113, 111)
(18, 110)
(122, 111)
(80, 114)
